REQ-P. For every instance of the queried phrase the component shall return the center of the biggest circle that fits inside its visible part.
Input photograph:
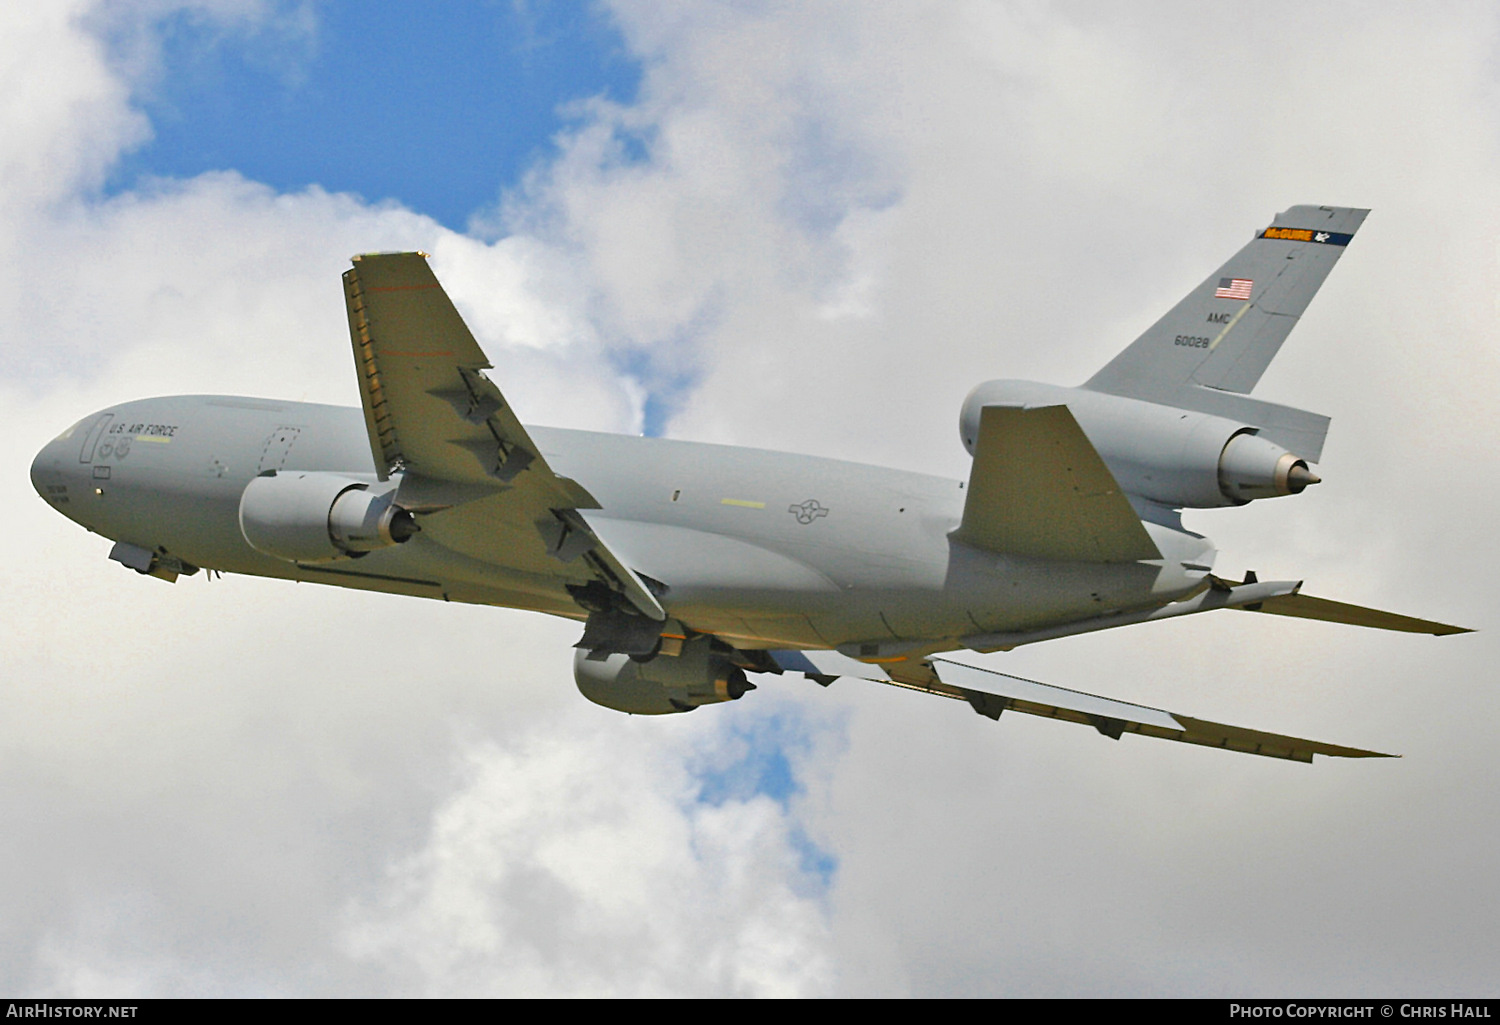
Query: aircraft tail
(1211, 349)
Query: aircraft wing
(468, 467)
(990, 694)
(1305, 606)
(1039, 488)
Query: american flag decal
(1233, 288)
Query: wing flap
(1039, 488)
(991, 694)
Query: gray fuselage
(765, 549)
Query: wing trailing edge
(991, 694)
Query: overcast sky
(800, 226)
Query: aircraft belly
(1023, 592)
(702, 569)
(783, 632)
(204, 531)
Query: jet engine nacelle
(663, 684)
(314, 517)
(1177, 457)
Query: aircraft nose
(56, 471)
(46, 470)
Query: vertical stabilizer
(1223, 335)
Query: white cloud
(66, 116)
(570, 865)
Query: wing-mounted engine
(315, 517)
(703, 673)
(1173, 456)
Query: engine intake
(315, 517)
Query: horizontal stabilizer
(1307, 607)
(991, 694)
(1039, 489)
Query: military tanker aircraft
(692, 565)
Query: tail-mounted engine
(1177, 457)
(314, 517)
(699, 675)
